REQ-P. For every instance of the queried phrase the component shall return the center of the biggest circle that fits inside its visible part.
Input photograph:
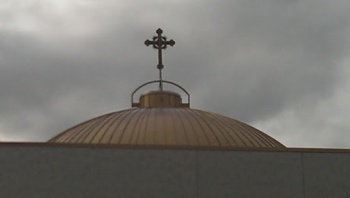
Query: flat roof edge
(68, 145)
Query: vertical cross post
(160, 42)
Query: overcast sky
(281, 66)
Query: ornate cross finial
(159, 42)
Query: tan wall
(60, 171)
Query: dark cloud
(63, 63)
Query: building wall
(39, 170)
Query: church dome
(161, 118)
(174, 127)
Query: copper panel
(171, 127)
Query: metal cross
(159, 42)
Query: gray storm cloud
(278, 65)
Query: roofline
(68, 145)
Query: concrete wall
(35, 170)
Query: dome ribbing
(175, 127)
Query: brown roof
(183, 127)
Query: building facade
(41, 170)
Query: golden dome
(174, 127)
(162, 119)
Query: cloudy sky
(279, 65)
